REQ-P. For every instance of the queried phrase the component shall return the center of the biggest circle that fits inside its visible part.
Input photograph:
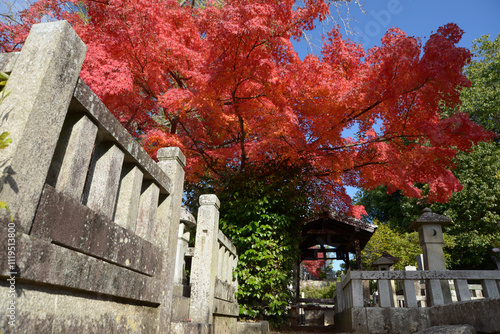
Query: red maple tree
(224, 83)
(314, 267)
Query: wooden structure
(337, 235)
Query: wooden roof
(334, 230)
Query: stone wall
(92, 239)
(483, 315)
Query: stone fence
(429, 297)
(92, 242)
(350, 292)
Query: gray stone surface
(249, 328)
(430, 233)
(63, 220)
(423, 275)
(221, 307)
(190, 328)
(41, 85)
(171, 161)
(7, 61)
(364, 320)
(148, 204)
(482, 314)
(103, 179)
(451, 329)
(224, 290)
(47, 263)
(84, 100)
(44, 309)
(204, 264)
(430, 217)
(182, 246)
(224, 325)
(180, 308)
(71, 160)
(129, 194)
(187, 219)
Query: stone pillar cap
(429, 218)
(210, 199)
(171, 153)
(187, 218)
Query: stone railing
(96, 220)
(214, 260)
(225, 282)
(350, 292)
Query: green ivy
(262, 213)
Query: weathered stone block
(146, 220)
(7, 61)
(84, 100)
(225, 325)
(65, 221)
(180, 308)
(71, 160)
(451, 329)
(190, 328)
(44, 262)
(41, 86)
(103, 179)
(249, 328)
(43, 309)
(129, 193)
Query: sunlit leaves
(234, 92)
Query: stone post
(172, 161)
(430, 232)
(187, 222)
(41, 86)
(386, 288)
(205, 260)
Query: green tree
(403, 245)
(262, 213)
(475, 211)
(482, 99)
(395, 210)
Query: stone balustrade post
(430, 232)
(104, 179)
(205, 260)
(339, 291)
(127, 206)
(187, 222)
(172, 161)
(182, 240)
(41, 86)
(72, 156)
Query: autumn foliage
(314, 267)
(223, 82)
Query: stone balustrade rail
(350, 292)
(96, 218)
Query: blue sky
(418, 18)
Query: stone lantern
(430, 233)
(385, 262)
(386, 288)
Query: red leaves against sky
(233, 90)
(314, 267)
